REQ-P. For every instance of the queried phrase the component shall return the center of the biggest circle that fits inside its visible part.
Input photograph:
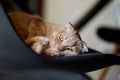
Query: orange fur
(43, 37)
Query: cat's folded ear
(85, 48)
(69, 27)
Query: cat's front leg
(37, 43)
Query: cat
(46, 38)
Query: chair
(15, 55)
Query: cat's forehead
(71, 40)
(63, 29)
(70, 34)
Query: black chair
(16, 56)
(44, 75)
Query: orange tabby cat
(46, 38)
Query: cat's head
(66, 41)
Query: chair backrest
(13, 51)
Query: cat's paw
(56, 54)
(53, 54)
(39, 43)
(42, 40)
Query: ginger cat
(48, 39)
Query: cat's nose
(60, 48)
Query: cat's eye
(71, 50)
(61, 37)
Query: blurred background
(87, 16)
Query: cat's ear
(84, 47)
(69, 27)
